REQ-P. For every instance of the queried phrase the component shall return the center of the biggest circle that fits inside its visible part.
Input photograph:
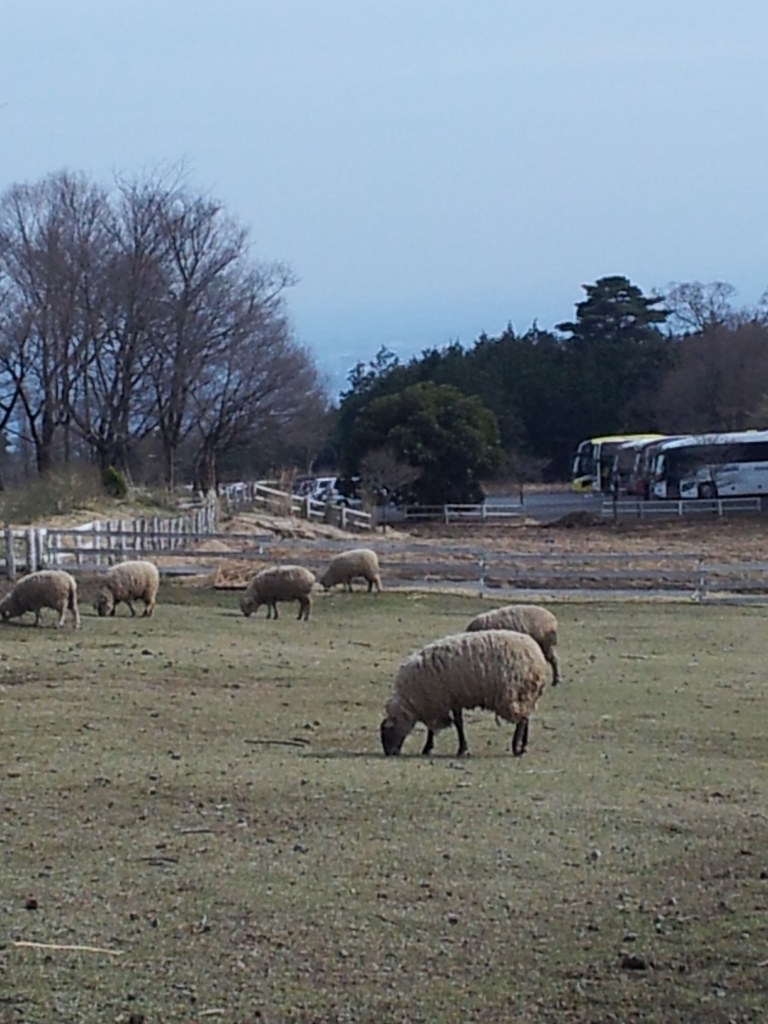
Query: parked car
(327, 489)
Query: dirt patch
(715, 539)
(572, 520)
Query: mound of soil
(581, 518)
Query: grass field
(201, 799)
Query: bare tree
(720, 380)
(111, 405)
(204, 250)
(142, 313)
(694, 306)
(256, 383)
(44, 231)
(383, 475)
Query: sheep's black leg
(555, 663)
(430, 742)
(520, 739)
(458, 720)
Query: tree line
(136, 324)
(139, 332)
(684, 360)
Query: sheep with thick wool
(46, 588)
(279, 583)
(498, 669)
(348, 565)
(538, 622)
(128, 582)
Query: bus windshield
(593, 461)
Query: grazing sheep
(280, 583)
(128, 582)
(348, 565)
(538, 622)
(497, 669)
(47, 588)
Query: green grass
(206, 794)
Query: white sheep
(46, 588)
(538, 622)
(279, 583)
(128, 582)
(349, 565)
(498, 669)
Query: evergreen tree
(617, 358)
(452, 439)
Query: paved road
(547, 506)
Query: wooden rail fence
(505, 576)
(261, 495)
(636, 508)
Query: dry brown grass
(205, 796)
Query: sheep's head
(104, 603)
(248, 604)
(394, 728)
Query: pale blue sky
(430, 169)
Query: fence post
(701, 591)
(46, 549)
(481, 567)
(31, 552)
(112, 527)
(10, 555)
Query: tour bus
(726, 465)
(639, 480)
(627, 465)
(593, 461)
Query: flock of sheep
(500, 662)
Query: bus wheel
(707, 491)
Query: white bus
(726, 465)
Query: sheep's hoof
(520, 739)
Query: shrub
(114, 483)
(55, 493)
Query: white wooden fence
(636, 508)
(502, 575)
(273, 500)
(105, 541)
(486, 512)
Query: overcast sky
(430, 169)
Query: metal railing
(638, 509)
(480, 513)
